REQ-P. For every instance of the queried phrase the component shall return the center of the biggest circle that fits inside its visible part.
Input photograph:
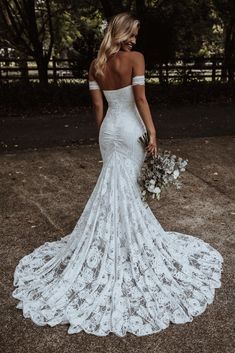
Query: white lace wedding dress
(118, 270)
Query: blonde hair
(118, 30)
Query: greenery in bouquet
(158, 173)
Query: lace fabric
(136, 80)
(118, 270)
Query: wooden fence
(183, 70)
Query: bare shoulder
(137, 56)
(133, 56)
(137, 63)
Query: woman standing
(119, 271)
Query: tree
(28, 27)
(85, 46)
(168, 28)
(113, 7)
(226, 11)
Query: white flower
(158, 173)
(151, 188)
(176, 173)
(104, 25)
(157, 190)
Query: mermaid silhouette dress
(118, 270)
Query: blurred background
(46, 47)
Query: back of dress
(122, 126)
(118, 270)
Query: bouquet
(157, 173)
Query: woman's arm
(142, 103)
(97, 99)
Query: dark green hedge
(15, 98)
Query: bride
(118, 270)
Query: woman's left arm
(96, 97)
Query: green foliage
(72, 96)
(225, 9)
(169, 29)
(43, 98)
(175, 28)
(76, 22)
(84, 48)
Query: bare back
(118, 71)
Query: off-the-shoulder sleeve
(138, 80)
(93, 85)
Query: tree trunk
(42, 66)
(140, 8)
(23, 68)
(229, 52)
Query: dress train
(118, 270)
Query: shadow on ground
(48, 130)
(43, 194)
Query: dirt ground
(43, 193)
